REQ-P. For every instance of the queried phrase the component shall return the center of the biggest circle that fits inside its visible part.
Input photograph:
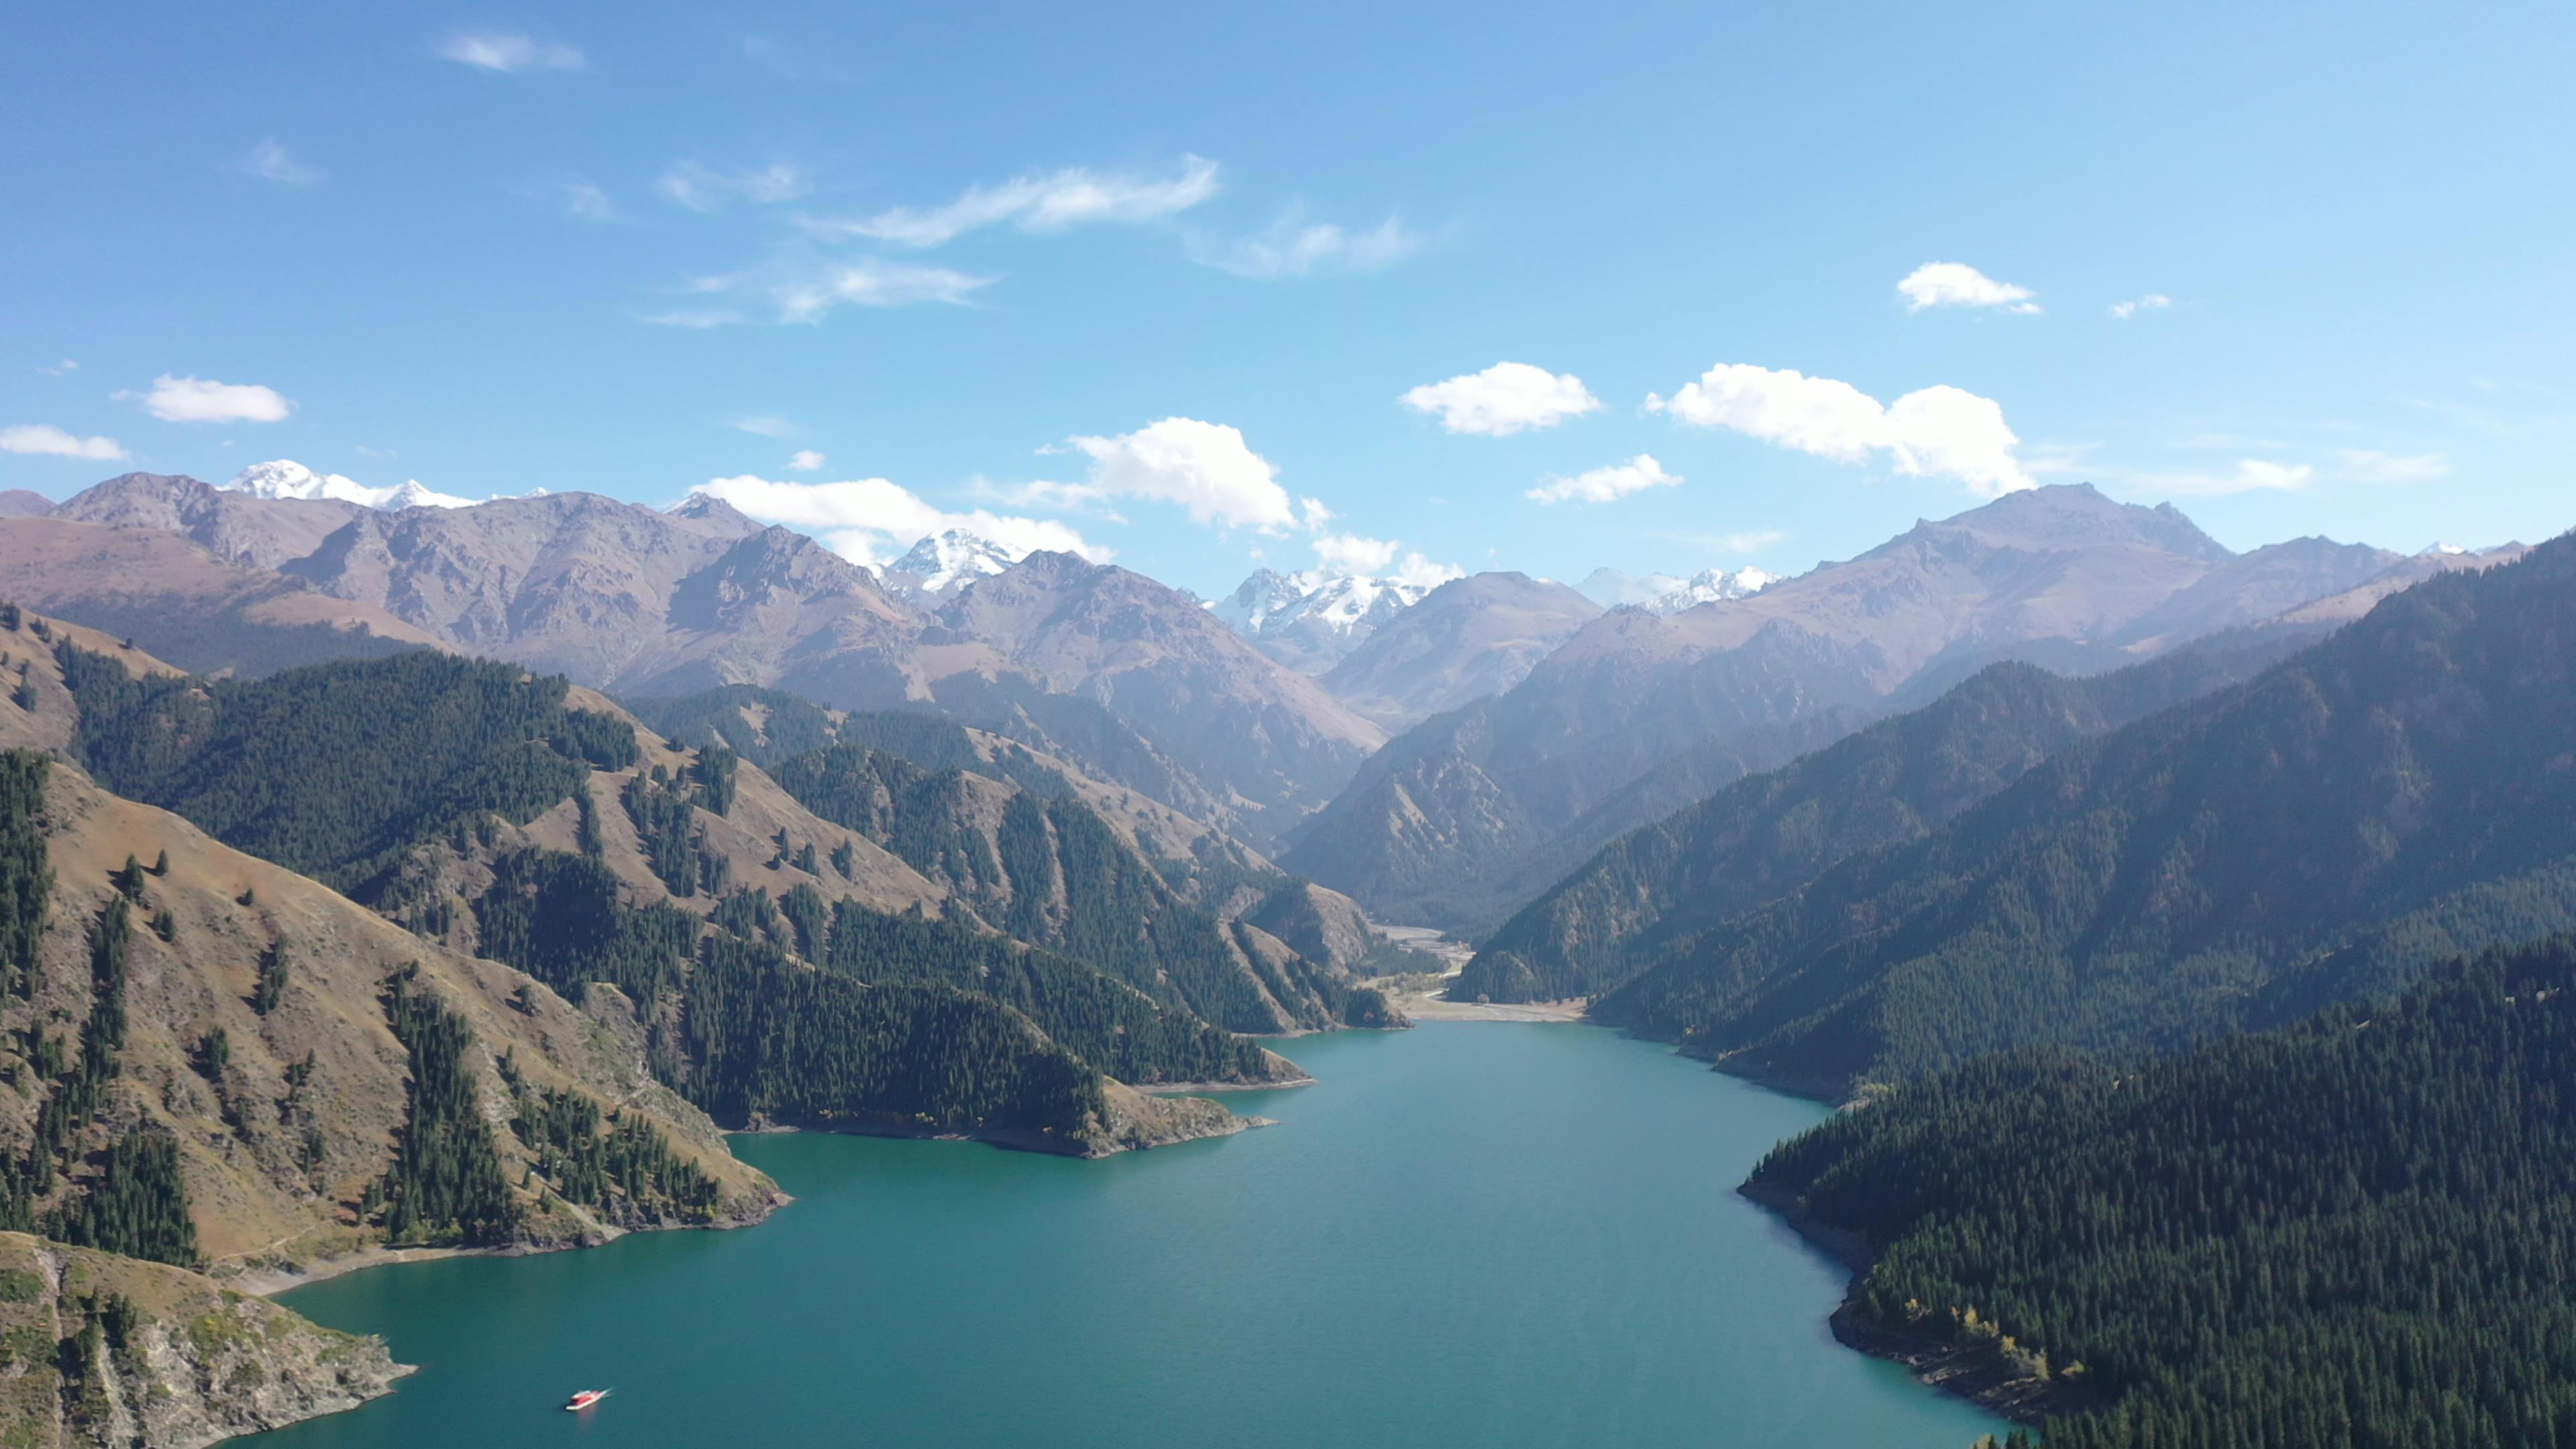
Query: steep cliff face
(105, 1350)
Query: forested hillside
(2360, 1230)
(1051, 871)
(2398, 793)
(1767, 835)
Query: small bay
(1472, 1234)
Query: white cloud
(1606, 484)
(2371, 466)
(766, 427)
(1037, 202)
(504, 53)
(2153, 301)
(1204, 467)
(805, 460)
(700, 187)
(586, 201)
(203, 400)
(1293, 247)
(269, 161)
(870, 282)
(1041, 493)
(1505, 398)
(60, 368)
(2249, 476)
(1956, 284)
(696, 319)
(872, 521)
(46, 440)
(1937, 431)
(1343, 554)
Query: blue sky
(1155, 277)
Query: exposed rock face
(237, 527)
(106, 1350)
(1466, 639)
(1439, 827)
(936, 568)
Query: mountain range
(1470, 813)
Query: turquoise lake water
(1466, 1234)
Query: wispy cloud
(2368, 465)
(1038, 202)
(204, 400)
(1506, 398)
(585, 200)
(807, 289)
(701, 187)
(2250, 475)
(1606, 484)
(695, 319)
(766, 427)
(271, 162)
(503, 53)
(1956, 284)
(1294, 247)
(46, 440)
(1936, 431)
(60, 368)
(2151, 302)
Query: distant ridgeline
(795, 1008)
(2401, 793)
(2360, 1230)
(1768, 835)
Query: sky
(1387, 288)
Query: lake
(1470, 1234)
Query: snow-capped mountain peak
(286, 478)
(1668, 593)
(1310, 619)
(943, 563)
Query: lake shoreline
(1978, 1371)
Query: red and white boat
(585, 1399)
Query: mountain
(19, 503)
(193, 607)
(1309, 621)
(1273, 740)
(1668, 593)
(1769, 834)
(1443, 825)
(943, 563)
(2329, 1234)
(623, 597)
(2395, 794)
(235, 526)
(1464, 640)
(284, 478)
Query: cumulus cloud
(805, 460)
(46, 440)
(701, 187)
(1956, 284)
(1506, 398)
(1037, 202)
(1935, 431)
(2371, 466)
(872, 521)
(1294, 247)
(2152, 301)
(1606, 484)
(1348, 553)
(204, 400)
(503, 53)
(1206, 468)
(271, 162)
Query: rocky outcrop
(103, 1350)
